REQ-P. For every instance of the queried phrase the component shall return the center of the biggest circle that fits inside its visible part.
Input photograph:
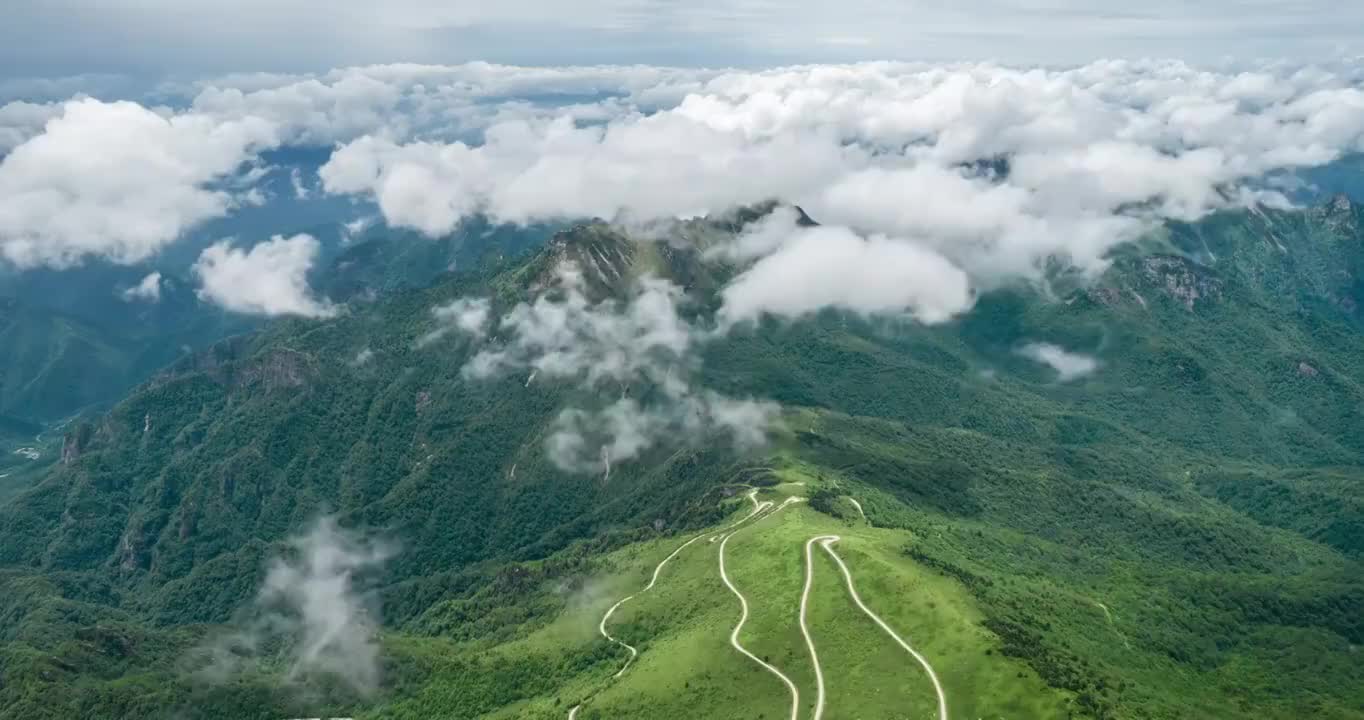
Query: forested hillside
(71, 342)
(1177, 442)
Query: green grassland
(687, 668)
(691, 666)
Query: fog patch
(315, 610)
(1068, 365)
(640, 356)
(468, 316)
(362, 358)
(148, 290)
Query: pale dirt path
(827, 543)
(858, 505)
(805, 629)
(601, 626)
(1112, 624)
(743, 618)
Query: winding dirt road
(762, 511)
(1108, 615)
(743, 618)
(805, 629)
(758, 507)
(601, 627)
(827, 542)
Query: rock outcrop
(1181, 279)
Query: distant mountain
(70, 341)
(1141, 497)
(1317, 185)
(54, 363)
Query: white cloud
(1088, 157)
(336, 626)
(995, 231)
(640, 166)
(832, 267)
(640, 352)
(268, 279)
(121, 180)
(352, 230)
(301, 191)
(590, 441)
(314, 600)
(464, 315)
(310, 110)
(116, 180)
(401, 101)
(21, 120)
(148, 290)
(562, 334)
(1094, 150)
(1068, 365)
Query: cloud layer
(998, 170)
(993, 167)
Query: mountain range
(1130, 496)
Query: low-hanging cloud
(1068, 365)
(638, 166)
(806, 270)
(463, 315)
(147, 290)
(314, 606)
(640, 353)
(564, 334)
(270, 278)
(590, 440)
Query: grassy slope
(687, 668)
(866, 674)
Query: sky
(121, 39)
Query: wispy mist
(315, 610)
